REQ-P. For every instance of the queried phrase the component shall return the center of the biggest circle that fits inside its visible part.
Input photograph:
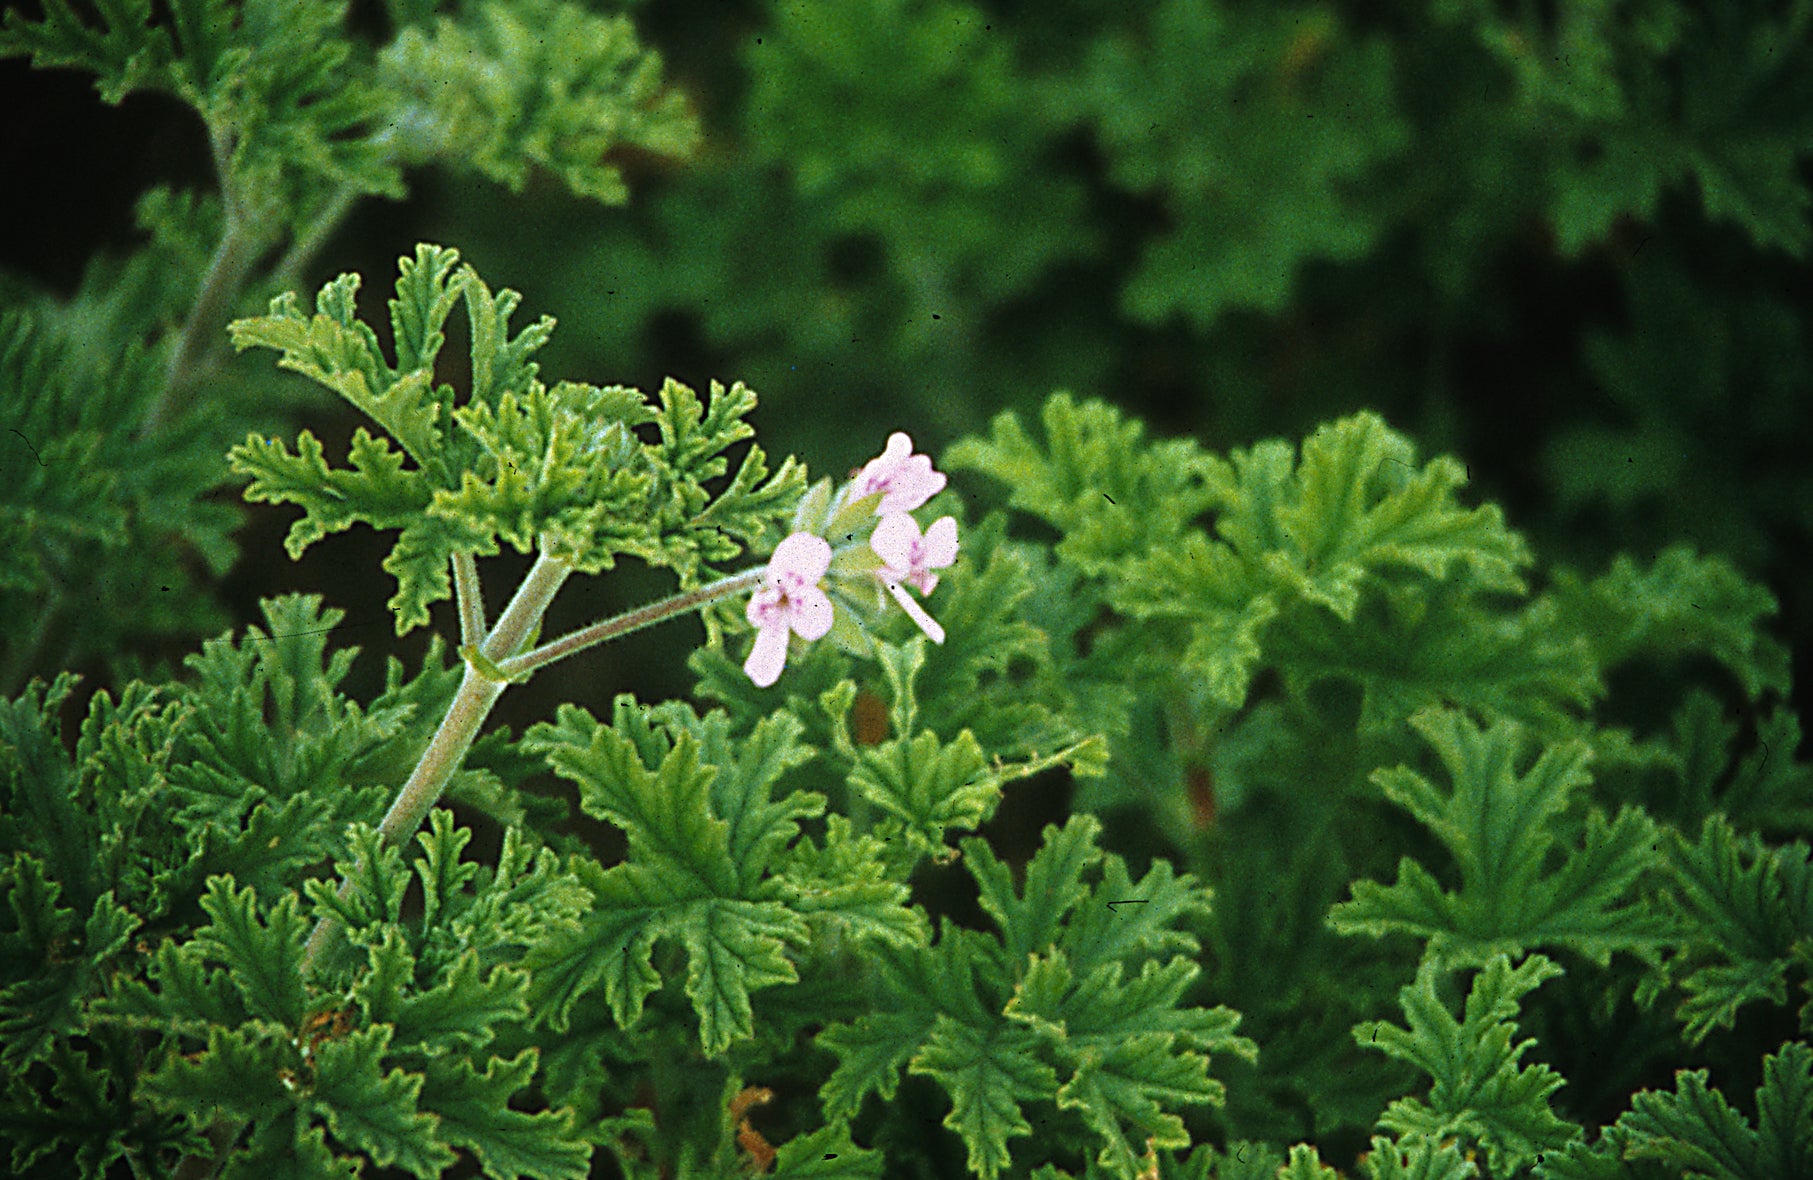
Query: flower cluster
(792, 599)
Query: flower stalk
(788, 600)
(465, 715)
(520, 666)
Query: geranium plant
(1364, 840)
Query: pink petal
(802, 554)
(767, 657)
(905, 480)
(765, 609)
(899, 448)
(809, 613)
(941, 543)
(893, 540)
(912, 485)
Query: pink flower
(908, 559)
(789, 601)
(905, 480)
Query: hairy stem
(623, 624)
(479, 689)
(458, 729)
(471, 599)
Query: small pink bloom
(909, 559)
(789, 601)
(905, 480)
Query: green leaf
(375, 879)
(466, 1007)
(336, 349)
(544, 471)
(57, 960)
(81, 1117)
(1503, 829)
(1416, 1157)
(375, 490)
(474, 1113)
(1045, 1011)
(691, 524)
(44, 816)
(1096, 478)
(1480, 1091)
(1127, 1043)
(288, 1148)
(1696, 1133)
(264, 724)
(998, 672)
(243, 1073)
(1131, 1070)
(1681, 606)
(1744, 910)
(556, 470)
(1354, 513)
(1305, 1164)
(262, 956)
(704, 842)
(1725, 110)
(192, 995)
(826, 1154)
(91, 512)
(503, 89)
(278, 86)
(987, 1078)
(1290, 115)
(924, 127)
(127, 51)
(61, 489)
(928, 784)
(373, 1110)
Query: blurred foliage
(118, 400)
(1562, 238)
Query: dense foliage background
(1565, 243)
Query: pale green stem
(480, 687)
(459, 728)
(234, 256)
(471, 599)
(478, 691)
(517, 667)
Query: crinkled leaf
(474, 1112)
(506, 88)
(1094, 476)
(1745, 910)
(1045, 1011)
(1502, 828)
(1480, 1090)
(683, 817)
(372, 1109)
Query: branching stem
(480, 687)
(471, 599)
